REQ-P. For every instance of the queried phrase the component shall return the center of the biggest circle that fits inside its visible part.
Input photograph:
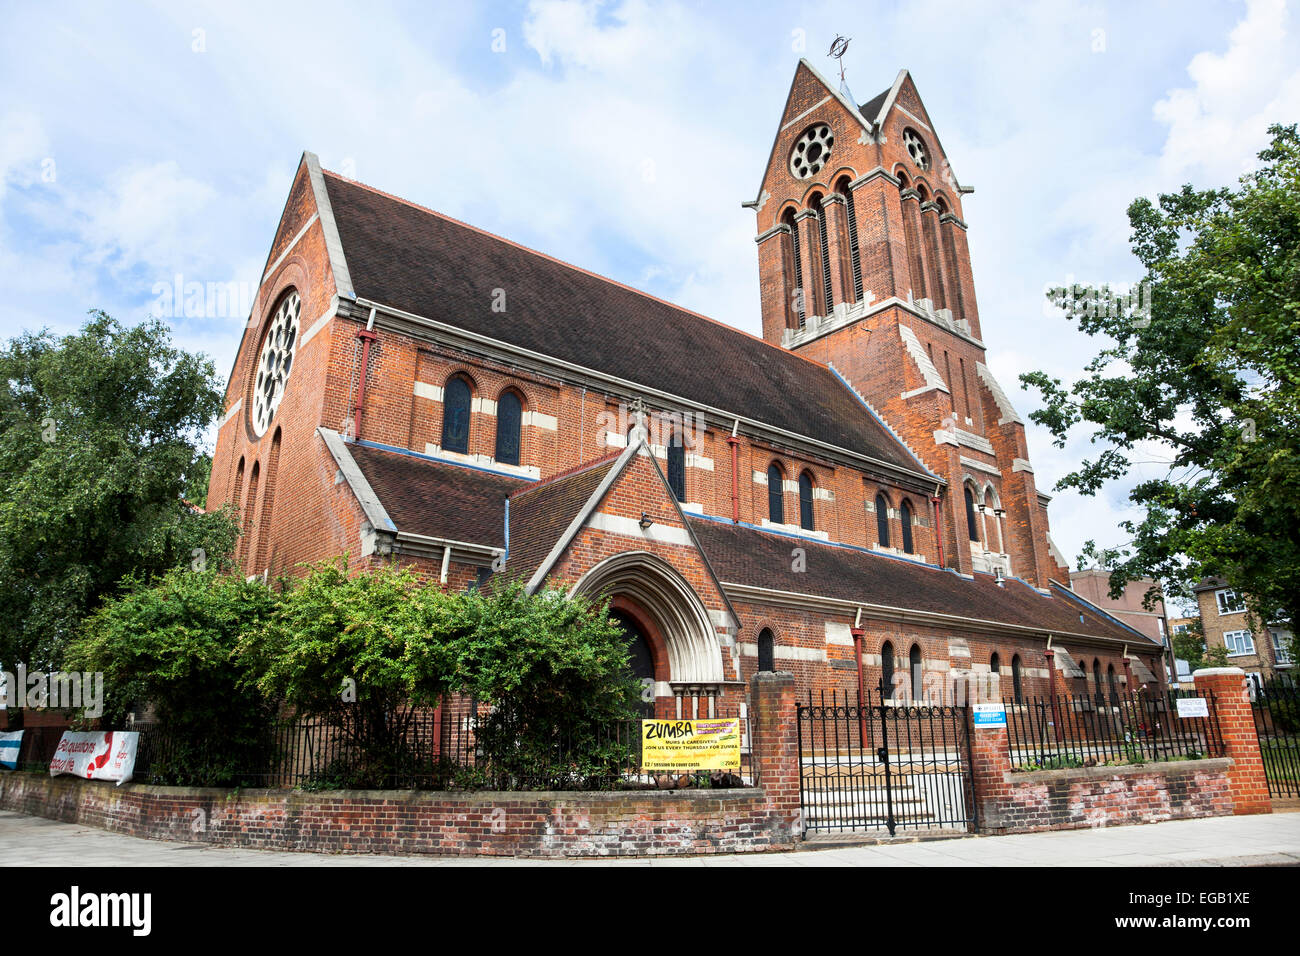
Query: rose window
(811, 151)
(275, 362)
(916, 149)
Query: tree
(362, 651)
(172, 646)
(1204, 366)
(99, 436)
(1189, 645)
(555, 670)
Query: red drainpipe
(366, 337)
(862, 703)
(938, 527)
(734, 442)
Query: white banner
(101, 755)
(10, 744)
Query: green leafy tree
(99, 439)
(1205, 365)
(1189, 645)
(363, 651)
(170, 649)
(555, 669)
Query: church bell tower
(864, 266)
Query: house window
(455, 416)
(882, 520)
(1239, 643)
(775, 495)
(1016, 677)
(905, 516)
(1281, 647)
(806, 502)
(970, 516)
(766, 651)
(887, 671)
(510, 413)
(914, 671)
(1229, 602)
(677, 467)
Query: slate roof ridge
(576, 268)
(567, 473)
(1071, 595)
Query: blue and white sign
(989, 716)
(10, 744)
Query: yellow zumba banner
(685, 745)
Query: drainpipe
(734, 442)
(938, 523)
(1051, 689)
(366, 335)
(857, 659)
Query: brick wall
(1092, 796)
(620, 823)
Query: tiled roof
(427, 264)
(747, 556)
(438, 499)
(871, 107)
(541, 513)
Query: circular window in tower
(274, 363)
(916, 149)
(811, 151)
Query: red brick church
(410, 388)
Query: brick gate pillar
(1246, 778)
(775, 749)
(990, 772)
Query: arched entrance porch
(670, 633)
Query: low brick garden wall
(623, 823)
(1105, 796)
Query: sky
(146, 146)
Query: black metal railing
(1063, 731)
(424, 750)
(1276, 709)
(877, 764)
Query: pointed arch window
(766, 650)
(1114, 688)
(510, 416)
(887, 671)
(855, 255)
(905, 517)
(820, 208)
(995, 664)
(677, 466)
(806, 502)
(882, 520)
(775, 495)
(1096, 678)
(456, 400)
(797, 270)
(1017, 670)
(970, 515)
(914, 671)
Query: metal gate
(882, 765)
(1277, 723)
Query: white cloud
(1217, 125)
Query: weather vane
(837, 51)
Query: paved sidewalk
(1225, 841)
